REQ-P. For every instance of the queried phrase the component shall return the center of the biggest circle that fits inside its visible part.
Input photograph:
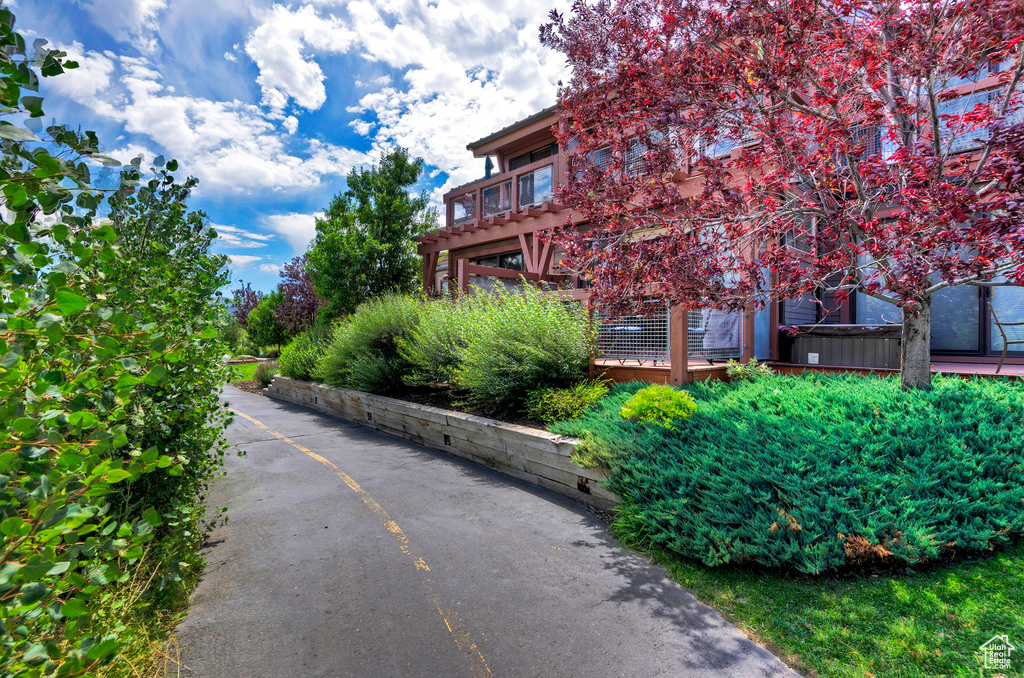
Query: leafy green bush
(110, 365)
(737, 371)
(364, 354)
(435, 346)
(300, 357)
(816, 471)
(660, 405)
(560, 404)
(265, 373)
(519, 341)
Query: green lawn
(245, 372)
(923, 624)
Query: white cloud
(361, 127)
(230, 56)
(230, 145)
(128, 20)
(298, 229)
(91, 76)
(467, 69)
(270, 268)
(243, 260)
(280, 47)
(234, 237)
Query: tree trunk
(916, 347)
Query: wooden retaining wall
(539, 457)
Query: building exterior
(494, 233)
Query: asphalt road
(351, 553)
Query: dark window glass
(541, 153)
(519, 161)
(512, 261)
(955, 319)
(1008, 303)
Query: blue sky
(270, 104)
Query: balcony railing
(497, 198)
(537, 187)
(508, 193)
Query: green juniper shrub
(660, 405)
(265, 373)
(559, 404)
(435, 346)
(818, 471)
(300, 357)
(518, 341)
(364, 353)
(737, 371)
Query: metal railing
(536, 187)
(497, 198)
(714, 334)
(637, 337)
(512, 191)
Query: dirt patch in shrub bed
(251, 386)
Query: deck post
(748, 332)
(430, 271)
(678, 352)
(463, 276)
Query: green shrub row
(300, 357)
(817, 471)
(491, 347)
(365, 353)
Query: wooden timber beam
(430, 271)
(679, 343)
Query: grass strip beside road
(928, 623)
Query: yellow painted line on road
(456, 627)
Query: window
(1008, 303)
(535, 155)
(957, 136)
(868, 141)
(636, 159)
(512, 261)
(955, 319)
(600, 158)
